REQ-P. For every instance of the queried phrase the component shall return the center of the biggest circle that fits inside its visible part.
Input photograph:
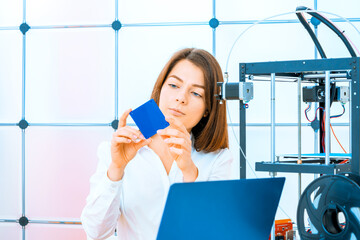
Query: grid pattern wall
(68, 69)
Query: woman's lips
(176, 112)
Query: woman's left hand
(179, 141)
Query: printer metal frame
(297, 69)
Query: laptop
(226, 210)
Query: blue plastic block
(149, 118)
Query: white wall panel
(228, 10)
(60, 162)
(10, 231)
(11, 13)
(348, 8)
(10, 173)
(10, 76)
(55, 232)
(70, 75)
(142, 11)
(88, 12)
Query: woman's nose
(181, 98)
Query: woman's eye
(172, 85)
(196, 94)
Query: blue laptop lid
(235, 209)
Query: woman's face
(182, 95)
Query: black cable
(324, 20)
(309, 30)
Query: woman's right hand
(125, 143)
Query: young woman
(130, 186)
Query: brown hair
(211, 133)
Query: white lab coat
(134, 205)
